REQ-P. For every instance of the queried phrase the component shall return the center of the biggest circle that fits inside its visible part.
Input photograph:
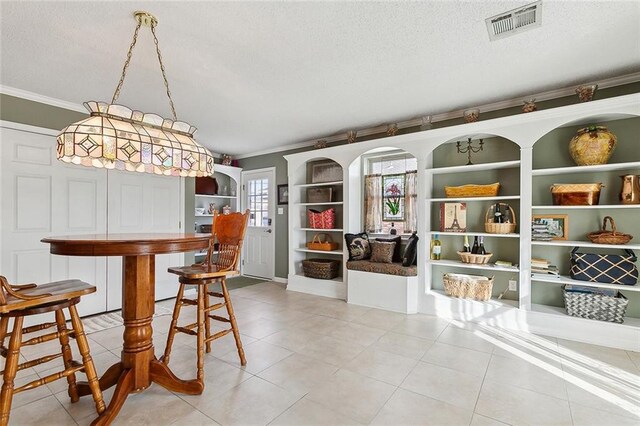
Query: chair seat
(55, 292)
(201, 272)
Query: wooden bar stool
(229, 232)
(20, 301)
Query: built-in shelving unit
(562, 279)
(484, 266)
(473, 234)
(467, 199)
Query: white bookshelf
(484, 266)
(465, 199)
(475, 167)
(596, 207)
(306, 250)
(475, 234)
(328, 203)
(569, 243)
(319, 230)
(562, 279)
(312, 185)
(587, 169)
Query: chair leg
(87, 361)
(207, 318)
(174, 324)
(202, 293)
(232, 319)
(10, 370)
(4, 324)
(66, 355)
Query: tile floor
(319, 361)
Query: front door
(258, 195)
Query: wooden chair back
(228, 230)
(7, 290)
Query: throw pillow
(397, 252)
(358, 246)
(382, 252)
(410, 255)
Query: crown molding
(28, 128)
(31, 96)
(417, 121)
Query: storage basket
(322, 220)
(468, 286)
(500, 228)
(596, 306)
(576, 194)
(472, 190)
(467, 257)
(609, 237)
(319, 195)
(324, 269)
(325, 245)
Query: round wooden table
(138, 367)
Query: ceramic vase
(592, 145)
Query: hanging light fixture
(116, 137)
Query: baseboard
(279, 280)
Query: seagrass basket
(491, 227)
(324, 269)
(467, 286)
(472, 190)
(478, 259)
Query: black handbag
(604, 268)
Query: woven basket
(472, 190)
(596, 306)
(576, 194)
(609, 237)
(467, 286)
(500, 228)
(325, 244)
(324, 269)
(467, 257)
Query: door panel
(259, 198)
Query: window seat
(388, 286)
(382, 268)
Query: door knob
(268, 231)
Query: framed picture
(453, 217)
(557, 224)
(393, 198)
(326, 171)
(283, 194)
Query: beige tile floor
(319, 361)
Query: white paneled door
(259, 246)
(41, 196)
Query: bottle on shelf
(466, 248)
(474, 249)
(481, 249)
(436, 250)
(393, 230)
(497, 215)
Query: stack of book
(540, 231)
(541, 268)
(612, 292)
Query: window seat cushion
(383, 268)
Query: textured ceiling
(257, 75)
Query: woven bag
(322, 220)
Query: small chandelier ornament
(116, 137)
(469, 150)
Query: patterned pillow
(382, 252)
(358, 246)
(397, 253)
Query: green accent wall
(37, 114)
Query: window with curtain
(390, 195)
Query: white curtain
(410, 202)
(373, 203)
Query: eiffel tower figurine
(455, 226)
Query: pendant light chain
(162, 69)
(116, 94)
(164, 75)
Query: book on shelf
(544, 277)
(503, 263)
(612, 292)
(545, 271)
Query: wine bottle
(474, 249)
(497, 215)
(393, 230)
(481, 249)
(437, 248)
(466, 248)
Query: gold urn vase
(592, 145)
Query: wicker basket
(576, 194)
(467, 257)
(596, 306)
(324, 244)
(500, 228)
(609, 237)
(324, 269)
(472, 190)
(467, 286)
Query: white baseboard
(280, 280)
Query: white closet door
(43, 197)
(143, 203)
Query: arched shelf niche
(552, 163)
(497, 162)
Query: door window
(258, 202)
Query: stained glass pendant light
(116, 137)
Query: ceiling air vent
(515, 21)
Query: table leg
(162, 375)
(123, 389)
(108, 379)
